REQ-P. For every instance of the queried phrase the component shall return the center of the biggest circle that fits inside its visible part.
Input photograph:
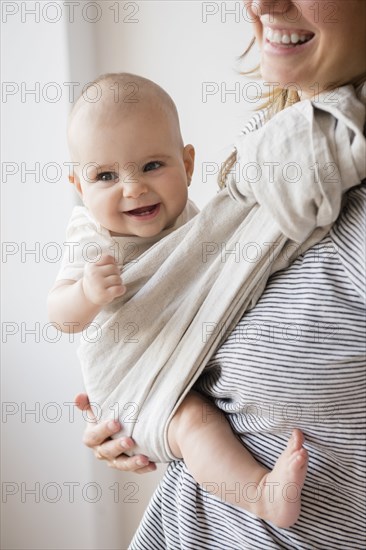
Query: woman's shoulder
(255, 122)
(349, 237)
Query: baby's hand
(102, 281)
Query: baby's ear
(188, 159)
(74, 180)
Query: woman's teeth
(285, 37)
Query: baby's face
(133, 170)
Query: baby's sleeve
(85, 241)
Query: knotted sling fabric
(189, 290)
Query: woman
(298, 358)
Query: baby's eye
(107, 176)
(153, 165)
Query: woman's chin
(281, 79)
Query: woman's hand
(98, 438)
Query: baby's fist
(102, 281)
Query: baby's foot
(280, 501)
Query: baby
(132, 172)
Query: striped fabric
(296, 360)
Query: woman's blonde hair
(274, 101)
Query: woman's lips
(144, 212)
(280, 40)
(286, 49)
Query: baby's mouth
(143, 210)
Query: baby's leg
(216, 458)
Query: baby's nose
(133, 187)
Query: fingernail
(142, 462)
(125, 444)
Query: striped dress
(296, 360)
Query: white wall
(36, 372)
(173, 43)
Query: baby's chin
(143, 232)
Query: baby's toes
(299, 459)
(297, 440)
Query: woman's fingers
(112, 452)
(112, 448)
(147, 469)
(139, 464)
(98, 438)
(81, 400)
(82, 403)
(96, 434)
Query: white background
(185, 46)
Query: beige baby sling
(145, 351)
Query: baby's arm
(74, 304)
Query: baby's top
(87, 239)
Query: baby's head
(133, 170)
